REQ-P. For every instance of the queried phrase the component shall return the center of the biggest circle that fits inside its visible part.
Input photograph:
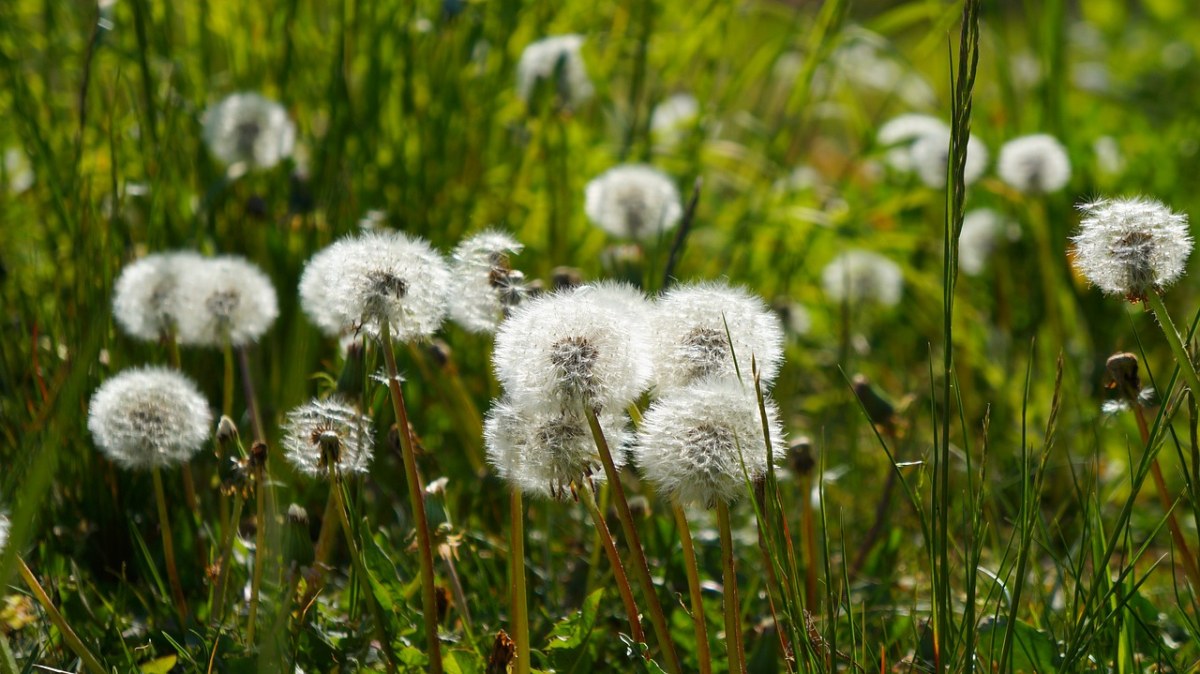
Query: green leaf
(1033, 651)
(571, 632)
(460, 661)
(159, 665)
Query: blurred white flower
(543, 450)
(1131, 246)
(17, 170)
(149, 417)
(225, 298)
(572, 348)
(692, 329)
(247, 131)
(1036, 164)
(931, 152)
(361, 281)
(633, 202)
(559, 60)
(862, 276)
(673, 116)
(795, 317)
(483, 284)
(146, 302)
(899, 134)
(982, 231)
(701, 443)
(4, 526)
(865, 60)
(1108, 155)
(328, 430)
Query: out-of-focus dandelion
(223, 299)
(633, 202)
(899, 134)
(1036, 164)
(4, 526)
(699, 330)
(796, 319)
(982, 231)
(149, 417)
(862, 276)
(17, 170)
(483, 285)
(930, 155)
(325, 434)
(557, 60)
(673, 116)
(248, 131)
(1132, 246)
(146, 297)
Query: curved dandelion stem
(519, 601)
(640, 568)
(693, 576)
(614, 559)
(71, 639)
(416, 496)
(168, 544)
(733, 619)
(1168, 327)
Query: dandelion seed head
(223, 298)
(146, 298)
(900, 133)
(673, 115)
(559, 55)
(633, 201)
(862, 276)
(542, 450)
(324, 431)
(693, 442)
(930, 155)
(483, 284)
(249, 129)
(1131, 246)
(1036, 164)
(147, 417)
(570, 348)
(982, 231)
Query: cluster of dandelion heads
(700, 443)
(146, 297)
(921, 144)
(149, 417)
(324, 431)
(633, 202)
(543, 450)
(483, 285)
(250, 131)
(700, 329)
(359, 282)
(1036, 164)
(862, 276)
(225, 298)
(1132, 246)
(558, 62)
(571, 348)
(983, 230)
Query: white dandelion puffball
(146, 297)
(149, 417)
(543, 450)
(17, 170)
(900, 133)
(559, 55)
(982, 231)
(225, 298)
(483, 284)
(1131, 246)
(572, 348)
(673, 115)
(1036, 164)
(328, 430)
(931, 153)
(862, 276)
(693, 443)
(633, 202)
(623, 298)
(249, 130)
(693, 326)
(361, 281)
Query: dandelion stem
(1177, 349)
(703, 654)
(519, 602)
(168, 545)
(251, 395)
(733, 618)
(587, 495)
(416, 495)
(260, 529)
(226, 558)
(69, 637)
(227, 386)
(657, 618)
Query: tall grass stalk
(703, 653)
(72, 640)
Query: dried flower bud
(566, 277)
(800, 456)
(504, 653)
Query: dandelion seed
(862, 276)
(693, 442)
(146, 302)
(359, 282)
(1036, 164)
(149, 417)
(225, 298)
(246, 130)
(633, 202)
(930, 155)
(483, 284)
(17, 170)
(543, 450)
(558, 58)
(325, 432)
(1131, 246)
(982, 231)
(693, 327)
(571, 348)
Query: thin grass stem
(71, 639)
